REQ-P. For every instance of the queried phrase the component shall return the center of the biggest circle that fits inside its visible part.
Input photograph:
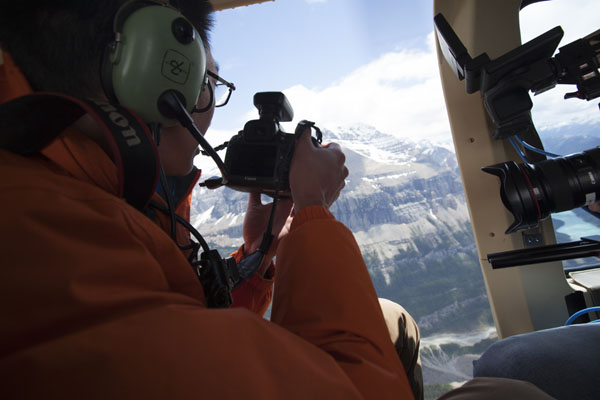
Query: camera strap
(30, 123)
(301, 127)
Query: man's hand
(317, 175)
(316, 178)
(255, 225)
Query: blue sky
(276, 45)
(342, 62)
(281, 44)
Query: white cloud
(209, 168)
(399, 93)
(551, 110)
(578, 19)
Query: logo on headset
(176, 67)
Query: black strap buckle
(218, 278)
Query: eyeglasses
(222, 89)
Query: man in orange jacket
(99, 301)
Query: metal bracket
(532, 237)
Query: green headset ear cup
(150, 57)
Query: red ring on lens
(531, 190)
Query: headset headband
(130, 7)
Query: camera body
(258, 158)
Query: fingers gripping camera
(317, 175)
(258, 158)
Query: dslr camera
(258, 158)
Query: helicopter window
(368, 77)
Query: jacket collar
(82, 158)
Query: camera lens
(531, 192)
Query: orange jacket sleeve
(256, 293)
(323, 293)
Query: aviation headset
(155, 49)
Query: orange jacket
(81, 158)
(97, 302)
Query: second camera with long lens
(531, 192)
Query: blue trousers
(563, 362)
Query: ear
(155, 49)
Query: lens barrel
(531, 192)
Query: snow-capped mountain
(391, 182)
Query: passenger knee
(399, 321)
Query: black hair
(59, 44)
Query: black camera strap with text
(32, 122)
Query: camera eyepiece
(273, 106)
(531, 192)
